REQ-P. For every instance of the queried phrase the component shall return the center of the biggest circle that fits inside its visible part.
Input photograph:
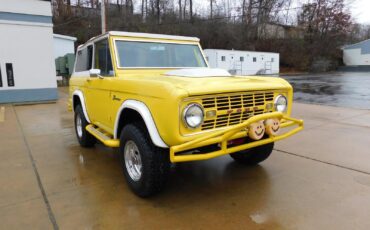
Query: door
(98, 87)
(232, 68)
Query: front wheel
(254, 155)
(145, 166)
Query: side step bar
(105, 138)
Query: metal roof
(364, 46)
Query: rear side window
(103, 60)
(84, 59)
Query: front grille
(232, 109)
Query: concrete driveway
(318, 179)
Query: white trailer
(244, 62)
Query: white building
(27, 67)
(63, 45)
(357, 54)
(243, 62)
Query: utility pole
(103, 18)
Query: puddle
(343, 89)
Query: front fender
(144, 112)
(79, 94)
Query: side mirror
(94, 72)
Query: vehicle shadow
(220, 178)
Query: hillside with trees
(302, 34)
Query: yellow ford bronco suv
(156, 99)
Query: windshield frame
(157, 41)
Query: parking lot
(317, 179)
(344, 89)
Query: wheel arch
(138, 108)
(78, 98)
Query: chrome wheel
(133, 160)
(79, 125)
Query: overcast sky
(361, 11)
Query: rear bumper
(222, 137)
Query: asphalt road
(336, 89)
(311, 181)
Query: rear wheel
(145, 166)
(84, 138)
(254, 155)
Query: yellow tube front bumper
(222, 137)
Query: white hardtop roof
(145, 35)
(157, 36)
(240, 51)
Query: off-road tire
(86, 139)
(254, 155)
(154, 160)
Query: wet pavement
(344, 89)
(317, 179)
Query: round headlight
(193, 115)
(281, 103)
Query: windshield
(162, 55)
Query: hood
(209, 81)
(198, 82)
(198, 72)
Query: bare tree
(129, 7)
(158, 11)
(191, 10)
(143, 9)
(211, 8)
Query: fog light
(272, 126)
(256, 130)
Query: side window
(103, 60)
(272, 60)
(223, 58)
(254, 59)
(84, 59)
(241, 59)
